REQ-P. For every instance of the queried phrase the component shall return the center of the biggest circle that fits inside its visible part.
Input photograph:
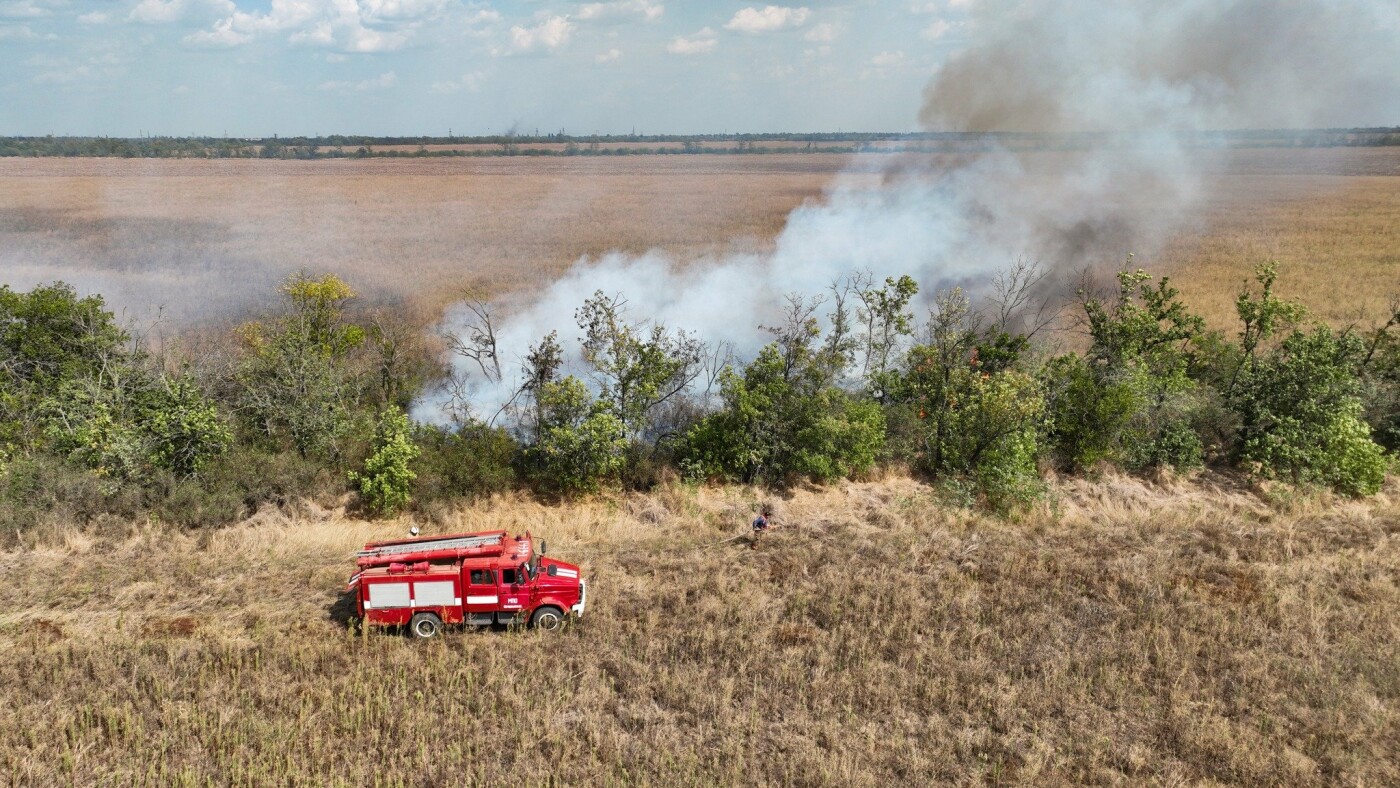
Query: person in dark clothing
(760, 524)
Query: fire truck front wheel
(548, 619)
(425, 625)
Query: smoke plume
(1148, 72)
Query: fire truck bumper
(582, 597)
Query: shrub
(779, 419)
(296, 380)
(1088, 412)
(995, 435)
(1300, 410)
(129, 424)
(43, 489)
(1130, 399)
(580, 442)
(237, 483)
(386, 482)
(470, 461)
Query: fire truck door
(515, 590)
(482, 593)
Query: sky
(427, 67)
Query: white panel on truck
(382, 595)
(442, 592)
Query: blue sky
(259, 67)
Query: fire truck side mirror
(544, 547)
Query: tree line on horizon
(511, 144)
(310, 401)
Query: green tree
(1380, 370)
(297, 380)
(1130, 399)
(982, 425)
(580, 442)
(50, 335)
(1300, 414)
(184, 426)
(1261, 318)
(887, 322)
(386, 482)
(777, 423)
(637, 369)
(125, 424)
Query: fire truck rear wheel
(425, 625)
(548, 619)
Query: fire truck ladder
(432, 545)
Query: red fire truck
(475, 579)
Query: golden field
(214, 237)
(1125, 633)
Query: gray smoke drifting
(1139, 65)
(1143, 69)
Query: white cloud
(938, 8)
(483, 16)
(95, 18)
(767, 20)
(344, 25)
(348, 34)
(620, 9)
(608, 57)
(887, 59)
(548, 35)
(160, 12)
(471, 83)
(400, 10)
(386, 80)
(222, 36)
(698, 44)
(66, 71)
(22, 9)
(938, 29)
(64, 77)
(16, 33)
(821, 33)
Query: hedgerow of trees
(311, 400)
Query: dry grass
(1336, 238)
(1188, 633)
(155, 231)
(417, 231)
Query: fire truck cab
(477, 579)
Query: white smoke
(1148, 69)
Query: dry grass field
(1190, 633)
(416, 232)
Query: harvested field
(1191, 633)
(412, 231)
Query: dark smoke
(1136, 65)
